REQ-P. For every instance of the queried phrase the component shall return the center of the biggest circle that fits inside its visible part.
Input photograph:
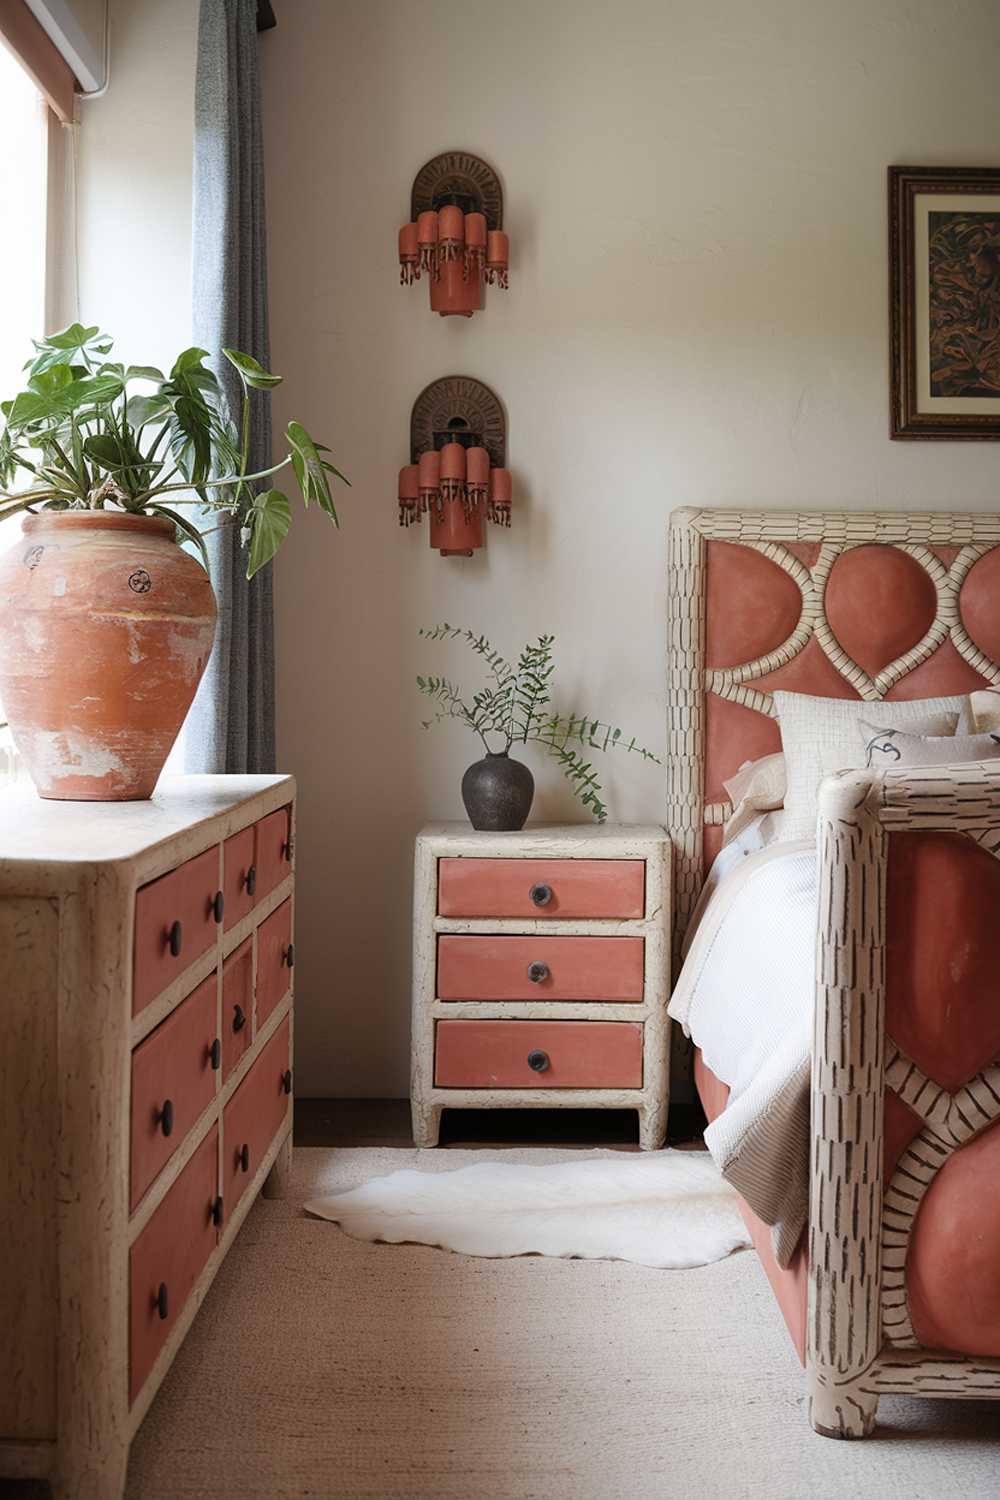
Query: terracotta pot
(106, 628)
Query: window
(23, 187)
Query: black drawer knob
(538, 973)
(165, 1117)
(287, 851)
(175, 939)
(538, 1061)
(215, 1055)
(161, 1301)
(216, 1211)
(250, 880)
(288, 957)
(286, 1080)
(239, 1019)
(541, 895)
(218, 907)
(243, 1158)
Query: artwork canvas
(944, 267)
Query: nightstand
(541, 964)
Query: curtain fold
(231, 725)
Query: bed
(894, 1286)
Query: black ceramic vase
(497, 793)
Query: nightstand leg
(426, 1122)
(277, 1181)
(652, 1127)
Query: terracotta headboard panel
(840, 604)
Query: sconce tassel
(451, 233)
(427, 242)
(409, 255)
(452, 473)
(409, 495)
(475, 245)
(428, 480)
(501, 491)
(477, 478)
(497, 257)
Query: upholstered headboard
(838, 604)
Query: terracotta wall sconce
(455, 237)
(456, 475)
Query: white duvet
(745, 996)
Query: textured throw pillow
(820, 735)
(886, 748)
(758, 787)
(986, 709)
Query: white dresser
(145, 1094)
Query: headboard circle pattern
(806, 546)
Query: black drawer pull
(216, 1211)
(218, 907)
(250, 880)
(175, 939)
(215, 1055)
(538, 1062)
(286, 1080)
(243, 1158)
(161, 1301)
(165, 1117)
(541, 895)
(239, 1019)
(287, 851)
(288, 957)
(538, 973)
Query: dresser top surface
(40, 831)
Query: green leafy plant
(516, 708)
(90, 440)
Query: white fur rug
(667, 1209)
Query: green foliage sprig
(516, 708)
(90, 441)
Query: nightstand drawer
(566, 888)
(540, 968)
(538, 1054)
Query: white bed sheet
(745, 996)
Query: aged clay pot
(497, 793)
(105, 630)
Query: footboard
(904, 1225)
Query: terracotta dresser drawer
(540, 968)
(237, 1006)
(173, 1081)
(239, 875)
(273, 850)
(541, 887)
(275, 957)
(563, 1054)
(169, 1256)
(174, 925)
(254, 1115)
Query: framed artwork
(944, 302)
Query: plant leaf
(250, 371)
(269, 518)
(189, 532)
(75, 344)
(144, 372)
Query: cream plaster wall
(696, 204)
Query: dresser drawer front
(176, 912)
(566, 1054)
(237, 1006)
(172, 1084)
(239, 875)
(274, 960)
(172, 1252)
(540, 968)
(581, 888)
(273, 851)
(253, 1117)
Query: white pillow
(820, 735)
(887, 748)
(986, 709)
(758, 787)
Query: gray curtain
(231, 725)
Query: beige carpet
(323, 1366)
